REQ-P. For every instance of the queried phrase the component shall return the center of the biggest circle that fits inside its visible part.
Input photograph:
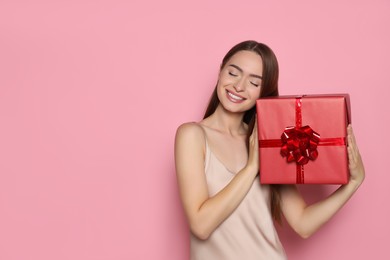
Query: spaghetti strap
(207, 149)
(209, 153)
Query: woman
(229, 212)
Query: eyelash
(234, 75)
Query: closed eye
(232, 74)
(254, 84)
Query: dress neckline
(216, 157)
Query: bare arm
(304, 219)
(205, 213)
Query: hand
(253, 158)
(355, 163)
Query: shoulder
(190, 131)
(190, 144)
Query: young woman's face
(239, 81)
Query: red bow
(299, 144)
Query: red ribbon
(299, 143)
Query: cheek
(224, 81)
(255, 92)
(220, 90)
(222, 84)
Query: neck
(228, 122)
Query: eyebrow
(238, 68)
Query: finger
(352, 163)
(353, 153)
(351, 133)
(252, 140)
(351, 156)
(352, 141)
(255, 132)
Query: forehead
(248, 61)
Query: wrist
(252, 169)
(355, 183)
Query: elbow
(201, 235)
(303, 233)
(200, 231)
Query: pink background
(91, 93)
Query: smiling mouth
(234, 97)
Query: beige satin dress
(249, 232)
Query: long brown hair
(269, 88)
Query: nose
(239, 85)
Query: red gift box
(302, 139)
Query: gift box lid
(344, 96)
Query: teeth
(234, 96)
